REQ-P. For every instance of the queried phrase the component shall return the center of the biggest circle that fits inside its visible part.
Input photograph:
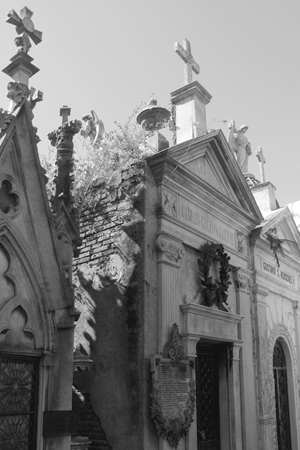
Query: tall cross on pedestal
(190, 64)
(65, 112)
(24, 27)
(262, 161)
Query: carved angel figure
(94, 129)
(240, 145)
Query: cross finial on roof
(190, 64)
(65, 112)
(25, 28)
(262, 161)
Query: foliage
(275, 243)
(120, 149)
(214, 291)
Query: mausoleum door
(18, 402)
(281, 399)
(208, 396)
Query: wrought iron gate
(281, 399)
(208, 411)
(18, 402)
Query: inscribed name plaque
(173, 393)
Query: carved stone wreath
(214, 292)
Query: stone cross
(24, 26)
(65, 112)
(190, 64)
(262, 161)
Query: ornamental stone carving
(172, 250)
(243, 282)
(17, 92)
(169, 203)
(241, 243)
(5, 119)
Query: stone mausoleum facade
(189, 280)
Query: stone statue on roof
(239, 144)
(94, 129)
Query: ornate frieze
(172, 251)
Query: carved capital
(235, 351)
(172, 251)
(243, 282)
(260, 294)
(190, 345)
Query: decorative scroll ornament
(172, 251)
(173, 349)
(214, 291)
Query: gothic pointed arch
(29, 289)
(19, 326)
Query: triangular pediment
(209, 162)
(282, 224)
(208, 169)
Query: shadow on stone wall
(111, 303)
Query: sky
(111, 55)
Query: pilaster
(263, 384)
(171, 253)
(235, 396)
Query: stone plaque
(173, 394)
(173, 387)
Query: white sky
(110, 55)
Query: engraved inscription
(190, 213)
(274, 270)
(173, 385)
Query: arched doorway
(281, 398)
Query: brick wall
(109, 277)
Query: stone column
(171, 252)
(235, 419)
(266, 420)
